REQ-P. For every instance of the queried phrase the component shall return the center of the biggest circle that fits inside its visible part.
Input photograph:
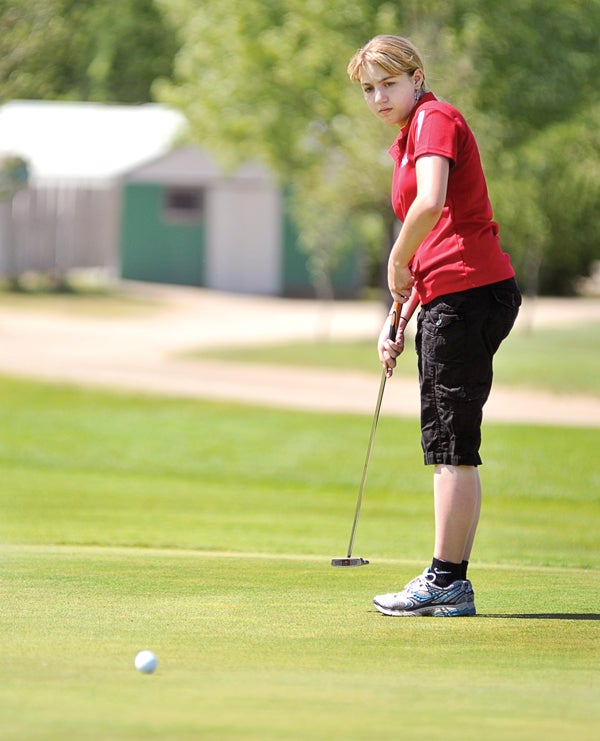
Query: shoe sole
(463, 609)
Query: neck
(418, 95)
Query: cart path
(143, 352)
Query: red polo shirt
(462, 250)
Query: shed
(186, 222)
(77, 153)
(110, 190)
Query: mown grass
(204, 531)
(255, 648)
(563, 360)
(114, 469)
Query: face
(390, 97)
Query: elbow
(431, 209)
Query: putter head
(348, 561)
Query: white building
(89, 161)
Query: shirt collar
(426, 98)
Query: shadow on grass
(534, 616)
(545, 616)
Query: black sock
(465, 566)
(446, 572)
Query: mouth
(385, 111)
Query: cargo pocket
(446, 335)
(503, 314)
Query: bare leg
(457, 502)
(471, 537)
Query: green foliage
(14, 175)
(536, 61)
(547, 193)
(261, 78)
(267, 81)
(108, 51)
(533, 70)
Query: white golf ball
(146, 662)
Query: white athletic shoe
(422, 597)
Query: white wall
(243, 235)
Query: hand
(389, 350)
(400, 283)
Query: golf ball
(146, 662)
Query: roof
(92, 141)
(184, 166)
(192, 166)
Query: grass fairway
(204, 532)
(525, 359)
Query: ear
(418, 77)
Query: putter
(349, 560)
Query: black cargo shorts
(457, 337)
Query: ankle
(445, 572)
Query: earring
(418, 94)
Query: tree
(14, 176)
(267, 81)
(536, 62)
(108, 51)
(536, 106)
(563, 165)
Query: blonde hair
(395, 54)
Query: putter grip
(394, 319)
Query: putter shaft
(367, 460)
(349, 561)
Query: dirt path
(141, 351)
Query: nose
(380, 94)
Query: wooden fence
(60, 228)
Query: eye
(367, 89)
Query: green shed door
(163, 234)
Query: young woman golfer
(448, 258)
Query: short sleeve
(436, 132)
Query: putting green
(278, 647)
(204, 532)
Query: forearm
(408, 309)
(390, 347)
(420, 220)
